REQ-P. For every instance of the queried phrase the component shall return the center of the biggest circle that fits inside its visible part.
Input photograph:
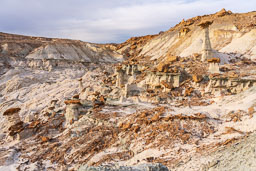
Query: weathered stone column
(206, 49)
(214, 68)
(126, 90)
(214, 65)
(176, 80)
(120, 78)
(128, 70)
(72, 111)
(14, 124)
(12, 116)
(134, 69)
(80, 84)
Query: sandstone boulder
(44, 139)
(171, 58)
(197, 78)
(162, 67)
(205, 24)
(223, 12)
(214, 60)
(11, 111)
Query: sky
(105, 21)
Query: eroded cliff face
(229, 33)
(67, 104)
(47, 48)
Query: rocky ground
(240, 155)
(63, 106)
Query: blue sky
(105, 21)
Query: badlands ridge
(183, 99)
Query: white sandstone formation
(214, 65)
(147, 111)
(231, 85)
(214, 68)
(206, 48)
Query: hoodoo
(206, 48)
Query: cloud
(105, 21)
